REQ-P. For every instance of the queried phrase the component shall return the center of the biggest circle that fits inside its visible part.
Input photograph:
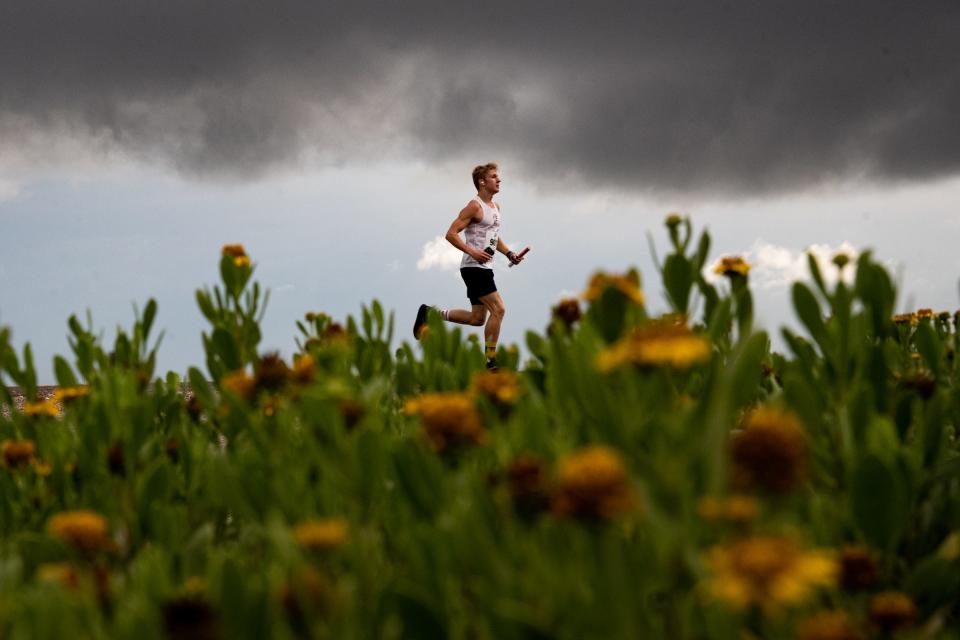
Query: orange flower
(828, 625)
(450, 420)
(593, 484)
(65, 395)
(322, 535)
(731, 266)
(82, 530)
(892, 611)
(769, 572)
(240, 384)
(43, 408)
(501, 387)
(734, 509)
(18, 453)
(628, 284)
(770, 451)
(656, 345)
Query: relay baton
(519, 255)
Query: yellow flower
(322, 535)
(43, 408)
(82, 530)
(656, 345)
(501, 387)
(593, 484)
(673, 220)
(768, 572)
(42, 468)
(732, 266)
(304, 368)
(627, 284)
(242, 261)
(905, 318)
(239, 383)
(892, 611)
(450, 420)
(735, 508)
(18, 453)
(925, 314)
(64, 395)
(770, 451)
(61, 573)
(828, 625)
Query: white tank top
(481, 235)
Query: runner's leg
(474, 317)
(491, 331)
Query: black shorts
(479, 283)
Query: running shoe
(421, 322)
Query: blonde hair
(480, 171)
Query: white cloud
(778, 267)
(439, 254)
(9, 190)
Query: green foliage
(326, 496)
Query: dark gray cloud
(703, 96)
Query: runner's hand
(480, 256)
(514, 258)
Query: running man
(480, 223)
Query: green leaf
(678, 280)
(878, 502)
(929, 345)
(808, 310)
(63, 372)
(149, 314)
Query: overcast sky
(336, 139)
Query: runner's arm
(502, 248)
(467, 215)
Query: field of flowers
(637, 477)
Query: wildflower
(18, 453)
(858, 569)
(115, 460)
(501, 387)
(828, 625)
(925, 314)
(732, 266)
(43, 408)
(627, 284)
(271, 373)
(768, 572)
(656, 345)
(61, 573)
(567, 311)
(450, 420)
(892, 611)
(334, 332)
(190, 616)
(42, 469)
(733, 509)
(673, 220)
(943, 316)
(593, 484)
(841, 260)
(351, 411)
(171, 447)
(770, 452)
(82, 530)
(240, 384)
(527, 484)
(238, 253)
(322, 535)
(905, 319)
(307, 590)
(66, 395)
(304, 368)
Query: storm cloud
(702, 96)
